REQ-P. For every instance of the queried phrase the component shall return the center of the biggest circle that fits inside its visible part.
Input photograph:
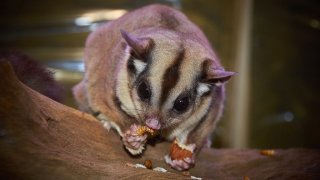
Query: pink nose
(153, 123)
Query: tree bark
(43, 139)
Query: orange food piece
(148, 164)
(267, 152)
(179, 153)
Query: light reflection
(66, 76)
(280, 118)
(315, 23)
(89, 18)
(288, 116)
(82, 21)
(94, 26)
(75, 66)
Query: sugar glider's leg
(132, 141)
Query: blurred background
(273, 102)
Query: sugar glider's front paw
(181, 156)
(133, 141)
(180, 164)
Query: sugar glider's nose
(153, 123)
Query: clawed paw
(180, 164)
(134, 142)
(181, 156)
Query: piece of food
(267, 152)
(148, 164)
(145, 130)
(178, 152)
(160, 169)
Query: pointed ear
(141, 46)
(215, 76)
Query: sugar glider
(154, 68)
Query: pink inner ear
(139, 45)
(214, 75)
(219, 75)
(222, 74)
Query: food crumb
(267, 152)
(160, 169)
(148, 164)
(135, 165)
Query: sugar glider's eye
(181, 104)
(144, 91)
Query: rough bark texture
(42, 139)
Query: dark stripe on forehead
(171, 76)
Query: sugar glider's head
(167, 79)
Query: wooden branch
(41, 139)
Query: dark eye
(144, 91)
(181, 104)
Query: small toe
(179, 165)
(188, 160)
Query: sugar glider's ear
(215, 76)
(212, 77)
(141, 48)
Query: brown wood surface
(43, 139)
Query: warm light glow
(66, 76)
(88, 18)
